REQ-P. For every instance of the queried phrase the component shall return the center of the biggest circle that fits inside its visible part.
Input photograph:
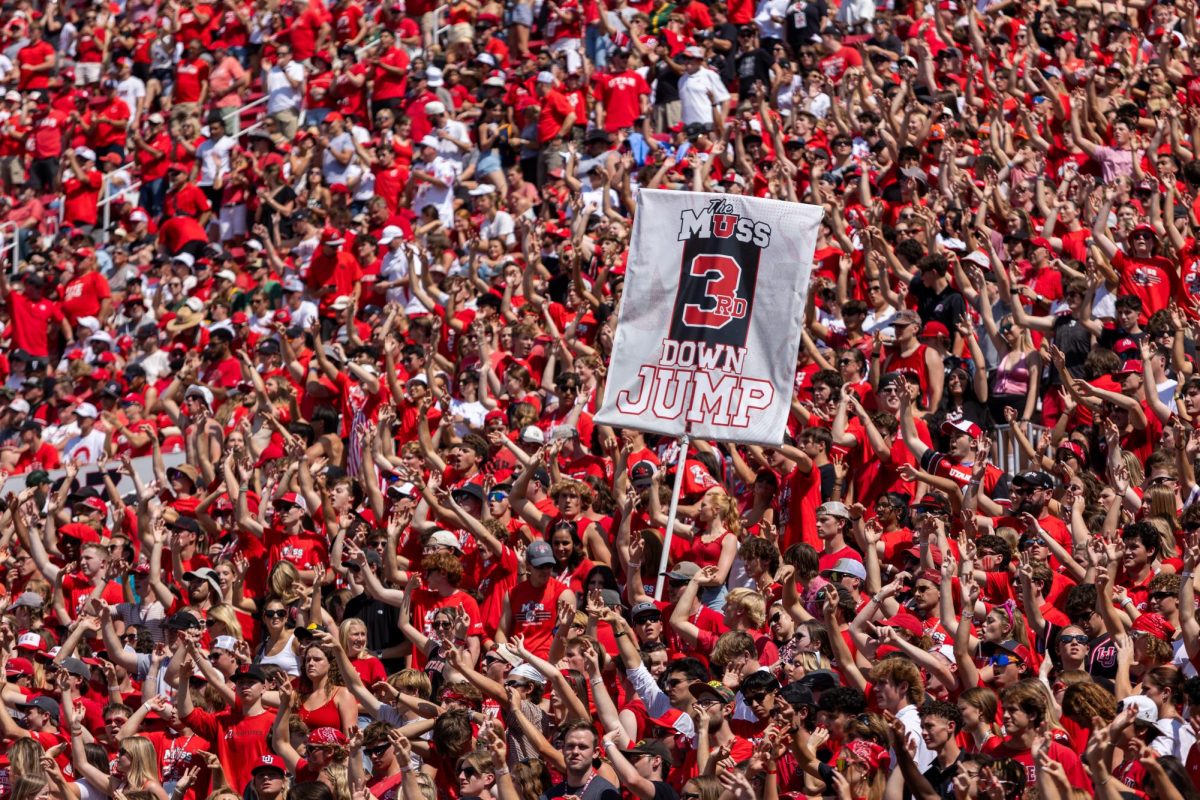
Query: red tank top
(911, 366)
(325, 716)
(707, 554)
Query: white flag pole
(684, 441)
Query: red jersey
(241, 741)
(83, 295)
(534, 613)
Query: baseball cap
(293, 499)
(183, 621)
(962, 426)
(847, 566)
(540, 554)
(204, 574)
(934, 328)
(443, 538)
(46, 705)
(389, 235)
(546, 77)
(1036, 479)
(642, 609)
(269, 761)
(906, 317)
(532, 434)
(650, 747)
(18, 666)
(1147, 712)
(28, 600)
(684, 571)
(833, 509)
(251, 672)
(434, 107)
(714, 688)
(641, 474)
(225, 643)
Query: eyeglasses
(1076, 638)
(278, 613)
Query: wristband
(500, 773)
(618, 634)
(635, 563)
(1187, 573)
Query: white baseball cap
(433, 76)
(434, 107)
(82, 410)
(546, 77)
(390, 234)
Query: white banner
(711, 316)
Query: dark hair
(946, 711)
(760, 548)
(1129, 302)
(1147, 534)
(759, 681)
(996, 543)
(477, 443)
(310, 790)
(1081, 602)
(843, 699)
(693, 668)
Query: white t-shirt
(131, 90)
(501, 227)
(447, 149)
(395, 268)
(86, 449)
(441, 197)
(213, 154)
(280, 94)
(694, 95)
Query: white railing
(108, 199)
(14, 245)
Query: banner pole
(684, 441)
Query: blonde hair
(143, 762)
(225, 614)
(283, 583)
(413, 682)
(727, 510)
(344, 631)
(751, 603)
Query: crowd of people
(307, 314)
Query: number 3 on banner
(720, 290)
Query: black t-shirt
(1101, 661)
(383, 625)
(597, 789)
(666, 83)
(803, 22)
(1075, 342)
(753, 66)
(946, 307)
(942, 778)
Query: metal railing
(1008, 453)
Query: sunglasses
(470, 772)
(1003, 660)
(1076, 638)
(438, 626)
(1160, 596)
(375, 752)
(496, 497)
(516, 684)
(278, 613)
(671, 684)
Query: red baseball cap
(934, 328)
(962, 426)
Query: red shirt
(89, 47)
(190, 77)
(305, 550)
(31, 320)
(534, 613)
(306, 29)
(31, 56)
(48, 129)
(1154, 280)
(106, 134)
(241, 741)
(81, 198)
(555, 109)
(388, 85)
(83, 295)
(621, 95)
